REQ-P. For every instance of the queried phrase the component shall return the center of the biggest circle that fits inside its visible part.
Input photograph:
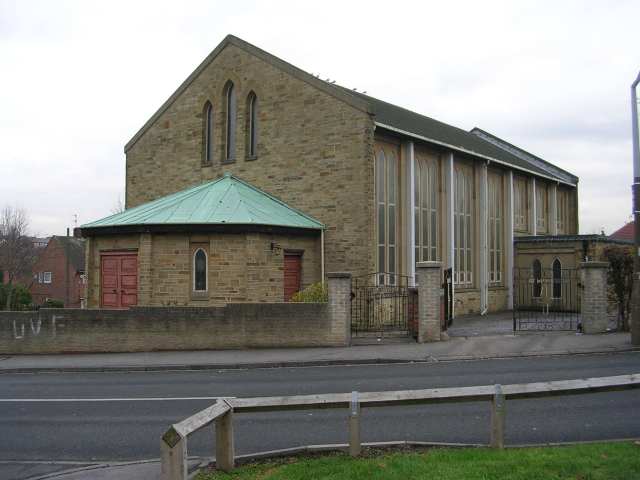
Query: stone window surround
(194, 248)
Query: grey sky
(80, 78)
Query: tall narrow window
(541, 207)
(386, 201)
(520, 202)
(207, 137)
(426, 210)
(252, 126)
(230, 122)
(537, 278)
(557, 279)
(463, 191)
(495, 228)
(562, 201)
(199, 271)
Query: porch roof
(225, 201)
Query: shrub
(20, 297)
(620, 281)
(314, 293)
(53, 303)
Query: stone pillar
(145, 274)
(88, 267)
(429, 276)
(533, 214)
(508, 244)
(409, 169)
(594, 297)
(449, 222)
(553, 210)
(339, 292)
(483, 220)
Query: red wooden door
(119, 286)
(292, 274)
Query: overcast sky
(78, 79)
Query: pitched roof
(627, 232)
(386, 115)
(74, 250)
(526, 156)
(405, 121)
(225, 201)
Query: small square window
(47, 277)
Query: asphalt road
(130, 430)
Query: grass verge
(597, 461)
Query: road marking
(142, 399)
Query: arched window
(386, 201)
(230, 122)
(463, 225)
(199, 271)
(207, 136)
(252, 125)
(557, 279)
(426, 210)
(537, 279)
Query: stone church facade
(390, 186)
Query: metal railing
(174, 441)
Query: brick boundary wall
(594, 297)
(146, 329)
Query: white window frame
(463, 227)
(47, 277)
(426, 193)
(494, 217)
(206, 270)
(520, 202)
(388, 203)
(40, 276)
(542, 203)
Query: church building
(255, 178)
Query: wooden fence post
(173, 456)
(498, 406)
(225, 451)
(354, 426)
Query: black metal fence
(383, 304)
(546, 299)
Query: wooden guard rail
(174, 442)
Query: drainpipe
(635, 315)
(322, 255)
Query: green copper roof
(227, 200)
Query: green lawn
(600, 461)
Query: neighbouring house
(381, 188)
(59, 272)
(626, 233)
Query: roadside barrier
(173, 444)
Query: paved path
(129, 430)
(457, 348)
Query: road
(130, 430)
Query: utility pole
(635, 308)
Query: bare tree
(118, 207)
(17, 253)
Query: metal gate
(546, 299)
(447, 286)
(383, 304)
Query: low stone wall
(174, 328)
